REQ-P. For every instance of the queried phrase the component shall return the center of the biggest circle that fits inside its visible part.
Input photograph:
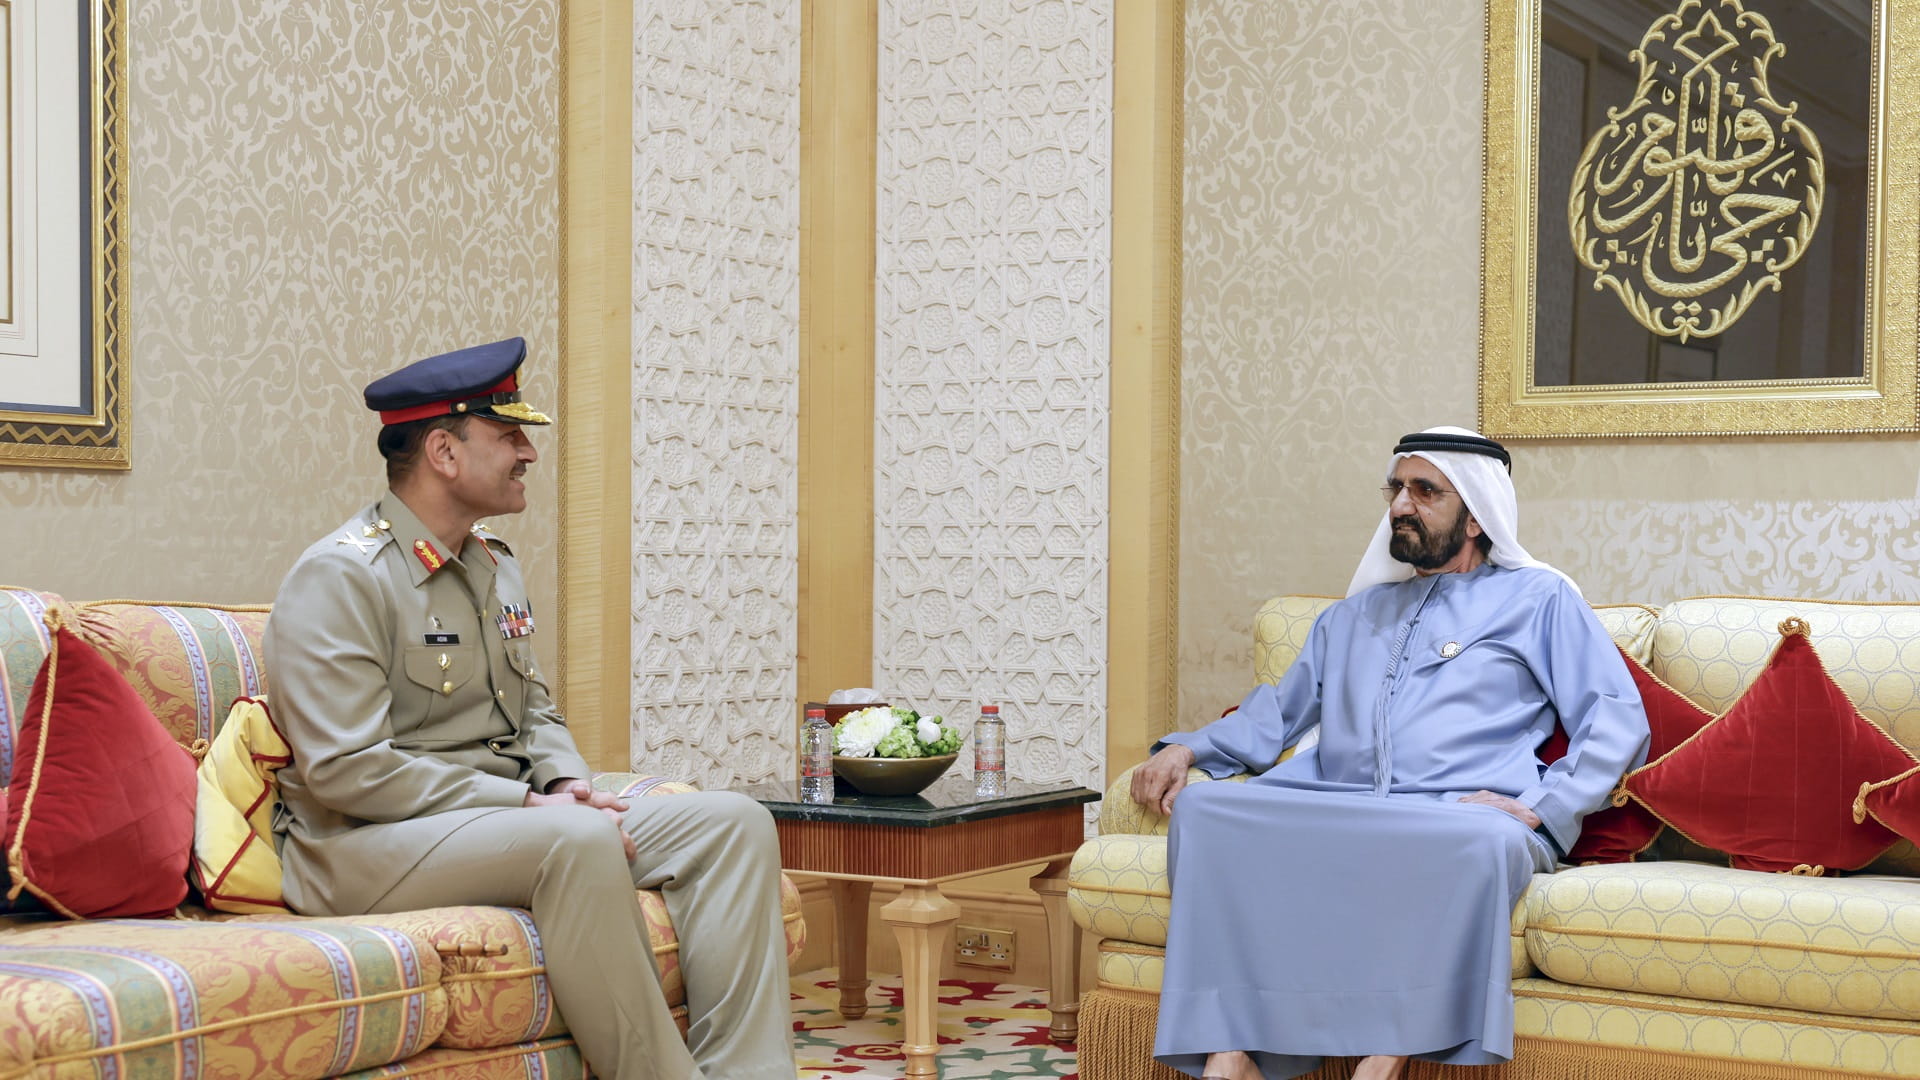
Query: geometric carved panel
(992, 387)
(716, 292)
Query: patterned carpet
(987, 1030)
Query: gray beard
(1422, 549)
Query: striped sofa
(445, 993)
(1681, 968)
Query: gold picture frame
(94, 434)
(1882, 398)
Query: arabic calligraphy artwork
(1703, 189)
(1698, 217)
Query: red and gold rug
(987, 1030)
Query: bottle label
(812, 769)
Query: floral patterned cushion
(493, 969)
(177, 997)
(23, 648)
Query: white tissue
(859, 695)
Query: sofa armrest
(629, 785)
(1120, 814)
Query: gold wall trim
(839, 102)
(1149, 47)
(103, 438)
(596, 380)
(1883, 399)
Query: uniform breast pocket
(441, 668)
(520, 656)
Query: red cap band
(444, 408)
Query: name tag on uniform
(515, 621)
(443, 639)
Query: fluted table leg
(850, 926)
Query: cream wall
(1331, 263)
(319, 193)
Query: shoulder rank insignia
(376, 528)
(362, 546)
(480, 533)
(428, 555)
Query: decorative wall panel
(319, 193)
(715, 366)
(1332, 239)
(991, 396)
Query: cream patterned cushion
(1838, 946)
(1132, 963)
(1544, 1009)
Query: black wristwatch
(1559, 853)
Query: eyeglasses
(1421, 491)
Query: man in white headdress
(1355, 900)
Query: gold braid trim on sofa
(1124, 1023)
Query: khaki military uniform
(403, 677)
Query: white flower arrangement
(893, 732)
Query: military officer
(430, 766)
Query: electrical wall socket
(979, 946)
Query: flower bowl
(890, 775)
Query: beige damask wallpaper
(320, 192)
(1331, 264)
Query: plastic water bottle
(816, 758)
(989, 753)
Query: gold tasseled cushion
(1838, 946)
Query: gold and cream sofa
(447, 993)
(1678, 968)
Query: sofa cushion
(1565, 1031)
(1117, 888)
(1843, 947)
(100, 810)
(188, 661)
(1893, 802)
(182, 998)
(548, 1059)
(1772, 780)
(493, 971)
(236, 861)
(1621, 832)
(24, 642)
(1137, 965)
(1710, 647)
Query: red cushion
(100, 808)
(1772, 780)
(1893, 802)
(1618, 833)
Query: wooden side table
(919, 842)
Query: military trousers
(712, 855)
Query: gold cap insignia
(521, 411)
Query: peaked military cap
(476, 381)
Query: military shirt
(403, 677)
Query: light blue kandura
(1344, 902)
